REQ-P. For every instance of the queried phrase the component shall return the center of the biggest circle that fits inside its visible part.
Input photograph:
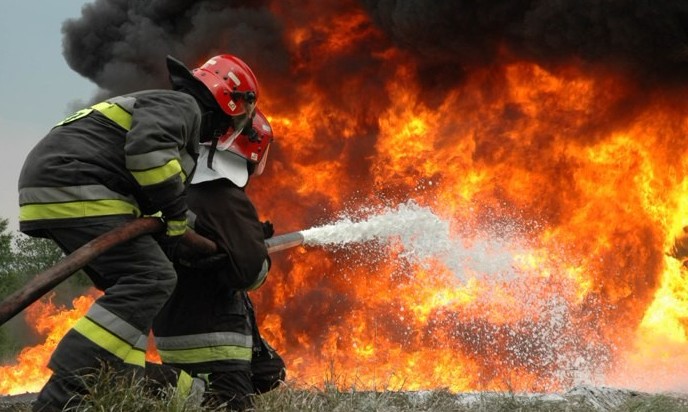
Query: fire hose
(45, 281)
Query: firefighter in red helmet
(208, 327)
(106, 164)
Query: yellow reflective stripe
(115, 113)
(117, 326)
(75, 116)
(136, 357)
(106, 340)
(110, 110)
(158, 174)
(85, 208)
(184, 383)
(176, 227)
(214, 353)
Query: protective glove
(170, 241)
(268, 229)
(680, 248)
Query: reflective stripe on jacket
(126, 156)
(205, 347)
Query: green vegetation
(108, 391)
(332, 400)
(8, 277)
(112, 394)
(21, 258)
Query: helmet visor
(261, 165)
(240, 122)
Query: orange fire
(577, 172)
(30, 371)
(576, 175)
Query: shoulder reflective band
(110, 110)
(115, 113)
(75, 116)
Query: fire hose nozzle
(283, 242)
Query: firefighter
(208, 327)
(104, 165)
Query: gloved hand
(680, 248)
(268, 229)
(170, 241)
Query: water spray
(421, 233)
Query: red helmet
(253, 145)
(231, 82)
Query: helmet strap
(207, 131)
(211, 154)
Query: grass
(288, 399)
(109, 392)
(112, 393)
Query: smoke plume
(648, 39)
(121, 45)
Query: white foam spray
(419, 230)
(494, 254)
(422, 235)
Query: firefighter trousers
(137, 279)
(236, 389)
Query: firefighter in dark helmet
(125, 157)
(208, 327)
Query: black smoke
(647, 39)
(121, 45)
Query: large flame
(579, 180)
(30, 371)
(574, 174)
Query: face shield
(241, 121)
(260, 167)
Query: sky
(37, 87)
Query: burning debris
(542, 133)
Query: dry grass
(286, 399)
(108, 393)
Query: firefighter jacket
(129, 155)
(207, 325)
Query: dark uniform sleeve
(163, 124)
(226, 215)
